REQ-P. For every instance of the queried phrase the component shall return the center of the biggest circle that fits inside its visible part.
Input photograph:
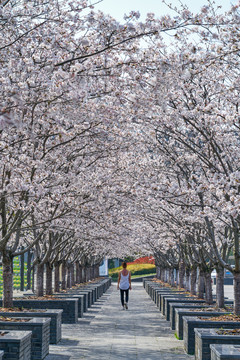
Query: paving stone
(110, 333)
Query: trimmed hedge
(135, 269)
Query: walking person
(124, 284)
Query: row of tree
(119, 138)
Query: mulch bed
(18, 309)
(227, 317)
(2, 318)
(228, 332)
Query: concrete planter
(176, 306)
(225, 352)
(69, 307)
(80, 299)
(170, 298)
(187, 300)
(16, 345)
(206, 337)
(180, 313)
(40, 328)
(55, 323)
(190, 323)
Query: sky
(117, 8)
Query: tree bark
(68, 275)
(56, 277)
(187, 279)
(200, 290)
(77, 266)
(40, 279)
(208, 287)
(64, 285)
(172, 283)
(193, 280)
(236, 287)
(181, 274)
(7, 269)
(29, 259)
(220, 286)
(72, 273)
(84, 276)
(48, 279)
(80, 274)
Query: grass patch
(176, 336)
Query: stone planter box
(55, 323)
(16, 345)
(206, 337)
(225, 352)
(40, 328)
(80, 299)
(186, 300)
(69, 307)
(190, 323)
(86, 299)
(188, 306)
(181, 312)
(170, 298)
(160, 294)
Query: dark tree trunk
(187, 279)
(40, 280)
(7, 269)
(73, 282)
(157, 272)
(208, 287)
(80, 274)
(64, 285)
(181, 274)
(77, 266)
(85, 274)
(68, 276)
(220, 286)
(200, 290)
(48, 279)
(236, 287)
(193, 280)
(172, 283)
(56, 277)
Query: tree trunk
(172, 283)
(200, 290)
(40, 278)
(193, 280)
(56, 277)
(84, 275)
(80, 274)
(48, 279)
(181, 274)
(7, 269)
(236, 287)
(157, 272)
(68, 275)
(208, 287)
(64, 285)
(220, 286)
(73, 282)
(77, 266)
(187, 279)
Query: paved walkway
(108, 332)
